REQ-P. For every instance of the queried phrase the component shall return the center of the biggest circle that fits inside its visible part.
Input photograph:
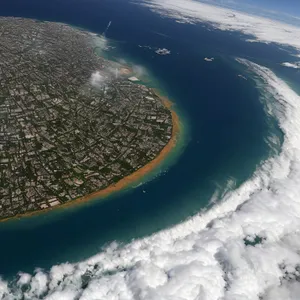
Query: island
(73, 125)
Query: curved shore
(126, 181)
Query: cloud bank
(246, 247)
(263, 29)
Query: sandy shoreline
(126, 181)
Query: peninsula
(73, 126)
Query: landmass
(72, 125)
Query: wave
(245, 247)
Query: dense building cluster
(63, 133)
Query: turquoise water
(224, 136)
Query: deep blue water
(223, 138)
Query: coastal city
(71, 122)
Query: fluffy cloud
(263, 29)
(245, 247)
(163, 51)
(97, 79)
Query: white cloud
(62, 295)
(97, 79)
(24, 278)
(263, 29)
(206, 257)
(291, 65)
(160, 51)
(163, 51)
(3, 288)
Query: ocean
(226, 131)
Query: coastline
(124, 182)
